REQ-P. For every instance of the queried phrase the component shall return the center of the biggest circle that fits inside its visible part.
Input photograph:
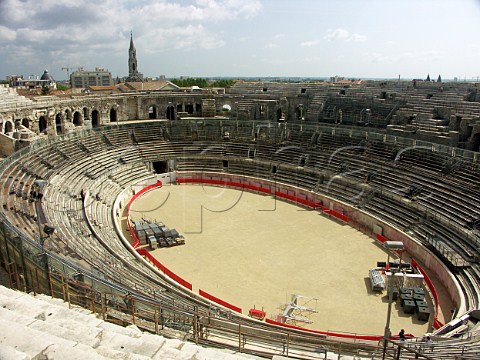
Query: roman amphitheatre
(277, 189)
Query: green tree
(62, 87)
(202, 83)
(45, 89)
(223, 83)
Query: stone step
(41, 327)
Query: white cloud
(227, 9)
(309, 43)
(271, 45)
(7, 34)
(340, 34)
(337, 34)
(89, 30)
(358, 38)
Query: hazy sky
(288, 38)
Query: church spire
(132, 47)
(133, 74)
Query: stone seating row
(50, 329)
(71, 179)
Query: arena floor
(250, 249)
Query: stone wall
(7, 145)
(425, 112)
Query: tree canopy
(202, 82)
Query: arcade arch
(95, 118)
(189, 108)
(113, 115)
(365, 116)
(299, 112)
(42, 124)
(77, 119)
(170, 113)
(476, 142)
(59, 123)
(339, 116)
(8, 127)
(68, 115)
(279, 114)
(26, 123)
(152, 112)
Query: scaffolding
(298, 310)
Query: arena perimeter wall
(330, 207)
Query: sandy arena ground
(250, 249)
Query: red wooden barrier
(136, 241)
(381, 238)
(335, 214)
(313, 205)
(327, 333)
(144, 252)
(164, 269)
(219, 301)
(437, 324)
(237, 184)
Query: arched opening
(476, 142)
(189, 108)
(85, 113)
(262, 110)
(42, 124)
(365, 116)
(59, 123)
(280, 116)
(339, 117)
(95, 118)
(68, 115)
(170, 113)
(77, 119)
(26, 123)
(113, 115)
(8, 127)
(152, 112)
(299, 112)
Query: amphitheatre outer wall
(58, 115)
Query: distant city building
(157, 85)
(83, 78)
(133, 74)
(33, 81)
(336, 78)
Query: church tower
(133, 74)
